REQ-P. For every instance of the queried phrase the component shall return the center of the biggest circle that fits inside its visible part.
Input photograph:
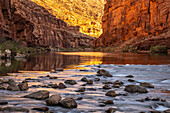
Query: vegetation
(131, 49)
(159, 49)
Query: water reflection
(67, 60)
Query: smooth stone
(109, 102)
(106, 87)
(129, 76)
(23, 86)
(62, 86)
(39, 95)
(147, 85)
(110, 110)
(53, 100)
(68, 103)
(131, 80)
(84, 79)
(102, 105)
(82, 89)
(163, 100)
(54, 86)
(111, 93)
(90, 82)
(41, 109)
(104, 73)
(71, 82)
(135, 89)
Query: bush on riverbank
(159, 49)
(130, 49)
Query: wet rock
(131, 80)
(106, 87)
(14, 109)
(3, 86)
(91, 89)
(3, 103)
(23, 86)
(59, 69)
(97, 79)
(53, 100)
(135, 89)
(84, 79)
(122, 94)
(41, 109)
(109, 102)
(129, 76)
(53, 77)
(156, 99)
(90, 82)
(163, 100)
(166, 111)
(110, 110)
(13, 87)
(71, 82)
(48, 76)
(54, 86)
(83, 85)
(62, 86)
(111, 93)
(79, 98)
(104, 73)
(82, 89)
(99, 75)
(68, 103)
(102, 105)
(39, 95)
(117, 84)
(146, 84)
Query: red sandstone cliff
(141, 23)
(24, 20)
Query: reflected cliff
(68, 60)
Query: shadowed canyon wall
(141, 23)
(24, 20)
(85, 13)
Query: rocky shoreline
(97, 88)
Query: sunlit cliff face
(85, 13)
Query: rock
(53, 77)
(3, 103)
(129, 76)
(23, 86)
(97, 79)
(13, 87)
(71, 82)
(102, 105)
(109, 102)
(156, 99)
(39, 95)
(59, 69)
(111, 93)
(104, 73)
(54, 86)
(110, 110)
(79, 98)
(53, 100)
(90, 82)
(82, 89)
(106, 87)
(146, 84)
(84, 79)
(41, 109)
(131, 80)
(117, 84)
(68, 103)
(163, 100)
(15, 109)
(61, 86)
(135, 89)
(166, 111)
(48, 76)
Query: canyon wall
(140, 23)
(24, 20)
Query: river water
(152, 68)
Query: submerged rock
(111, 93)
(23, 86)
(71, 82)
(117, 84)
(90, 82)
(131, 80)
(104, 73)
(82, 89)
(135, 89)
(39, 95)
(109, 102)
(97, 79)
(129, 76)
(54, 86)
(68, 103)
(53, 100)
(41, 109)
(106, 87)
(62, 86)
(13, 87)
(146, 84)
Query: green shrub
(159, 49)
(131, 49)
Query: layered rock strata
(24, 20)
(141, 23)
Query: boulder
(39, 95)
(68, 103)
(84, 79)
(23, 86)
(71, 82)
(53, 100)
(111, 93)
(135, 89)
(104, 73)
(147, 85)
(106, 87)
(62, 86)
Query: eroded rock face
(24, 20)
(142, 23)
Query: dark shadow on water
(67, 60)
